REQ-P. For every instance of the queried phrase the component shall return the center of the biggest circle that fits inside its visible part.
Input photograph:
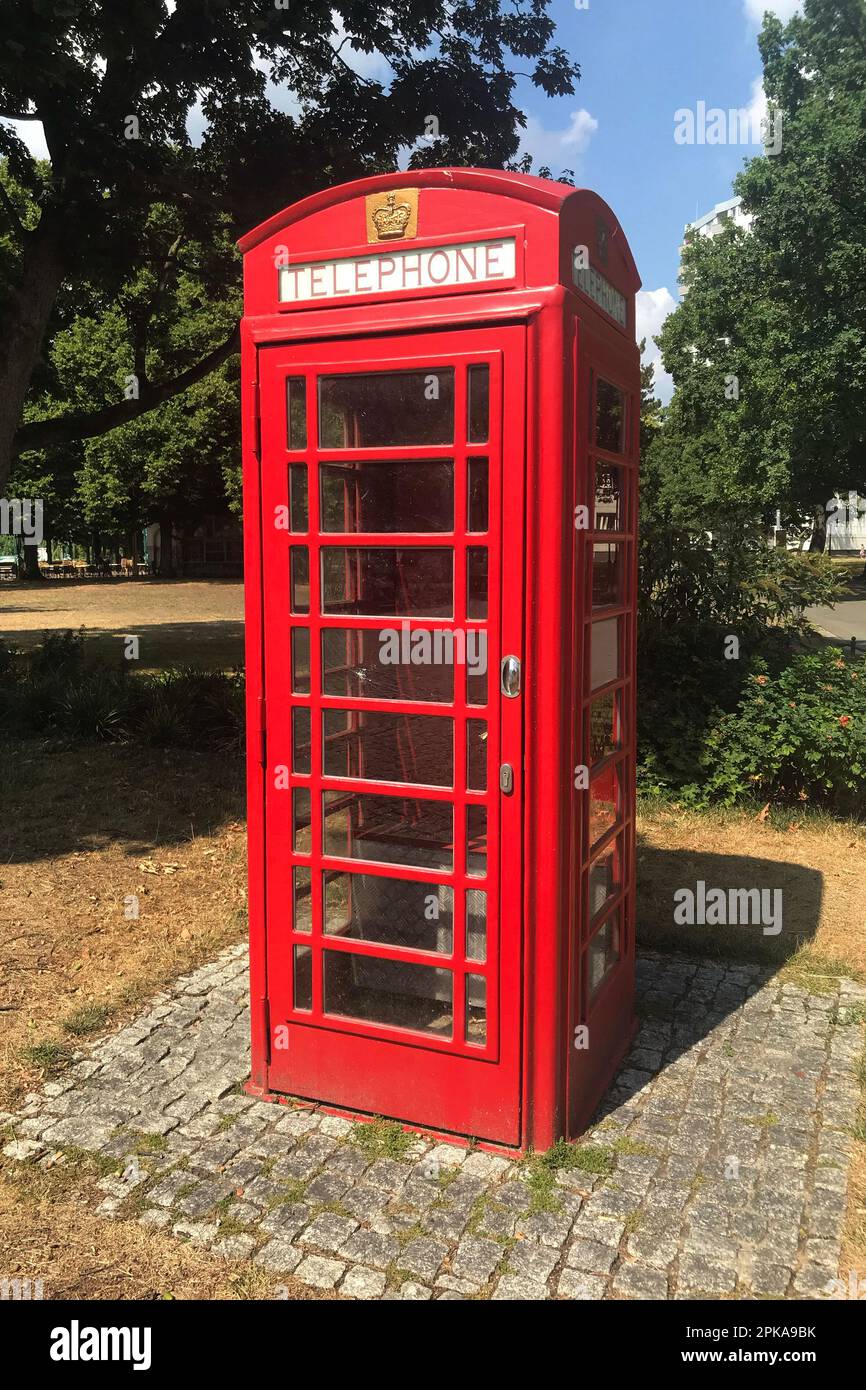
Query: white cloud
(785, 9)
(559, 149)
(653, 307)
(33, 135)
(757, 107)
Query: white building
(730, 213)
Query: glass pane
(608, 574)
(303, 977)
(302, 831)
(301, 660)
(296, 412)
(298, 509)
(301, 741)
(476, 582)
(602, 954)
(610, 498)
(387, 580)
(478, 391)
(476, 755)
(364, 663)
(605, 878)
(605, 727)
(476, 686)
(609, 417)
(389, 829)
(604, 652)
(303, 904)
(391, 911)
(389, 991)
(604, 803)
(415, 496)
(476, 924)
(477, 502)
(300, 579)
(476, 841)
(379, 747)
(386, 409)
(476, 1010)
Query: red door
(392, 518)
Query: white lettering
(399, 271)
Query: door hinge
(263, 732)
(257, 420)
(266, 1027)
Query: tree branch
(64, 429)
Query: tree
(114, 87)
(768, 348)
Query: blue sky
(642, 62)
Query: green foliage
(136, 225)
(54, 690)
(694, 595)
(783, 307)
(797, 736)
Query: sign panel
(399, 271)
(601, 291)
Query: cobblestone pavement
(717, 1166)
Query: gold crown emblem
(391, 219)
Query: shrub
(797, 735)
(54, 689)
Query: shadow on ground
(792, 893)
(58, 799)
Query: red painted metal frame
(444, 1068)
(566, 343)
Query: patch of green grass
(632, 1222)
(51, 1057)
(88, 1019)
(854, 1014)
(87, 1161)
(634, 1147)
(291, 1190)
(476, 1214)
(225, 1122)
(765, 1121)
(143, 1142)
(410, 1233)
(816, 974)
(184, 1191)
(447, 1176)
(382, 1139)
(541, 1169)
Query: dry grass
(816, 862)
(82, 829)
(176, 620)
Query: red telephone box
(441, 396)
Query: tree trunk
(31, 562)
(23, 325)
(166, 557)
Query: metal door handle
(509, 677)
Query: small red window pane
(605, 802)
